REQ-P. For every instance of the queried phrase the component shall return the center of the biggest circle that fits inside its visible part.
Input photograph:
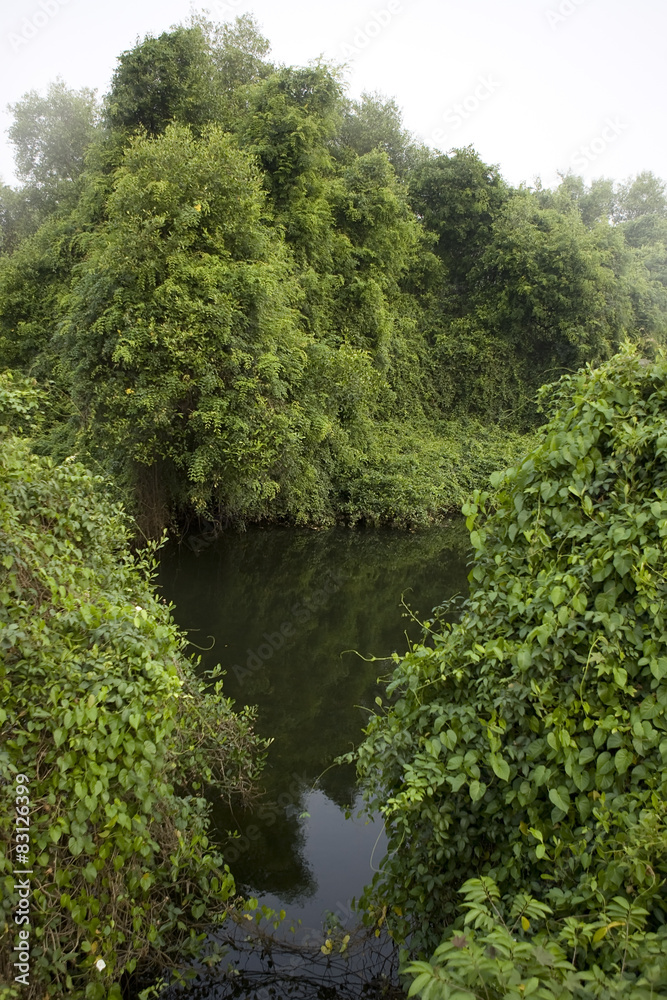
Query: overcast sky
(536, 86)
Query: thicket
(520, 759)
(253, 297)
(107, 740)
(247, 296)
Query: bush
(107, 741)
(415, 475)
(527, 744)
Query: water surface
(296, 618)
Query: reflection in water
(287, 609)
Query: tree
(290, 119)
(381, 244)
(645, 230)
(642, 209)
(6, 215)
(375, 122)
(458, 198)
(547, 295)
(51, 134)
(240, 53)
(643, 195)
(595, 204)
(33, 280)
(164, 79)
(180, 335)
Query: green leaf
(659, 667)
(456, 781)
(420, 982)
(524, 659)
(579, 603)
(448, 739)
(560, 798)
(620, 676)
(605, 602)
(90, 872)
(623, 562)
(477, 790)
(500, 767)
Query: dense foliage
(522, 755)
(107, 740)
(255, 298)
(245, 296)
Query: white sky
(545, 85)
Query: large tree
(642, 195)
(375, 122)
(458, 197)
(547, 295)
(180, 334)
(164, 79)
(51, 134)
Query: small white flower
(100, 964)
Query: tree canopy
(245, 284)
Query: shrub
(107, 740)
(527, 743)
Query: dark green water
(286, 609)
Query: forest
(231, 294)
(249, 297)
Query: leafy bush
(496, 955)
(528, 743)
(413, 475)
(108, 728)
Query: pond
(304, 623)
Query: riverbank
(105, 862)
